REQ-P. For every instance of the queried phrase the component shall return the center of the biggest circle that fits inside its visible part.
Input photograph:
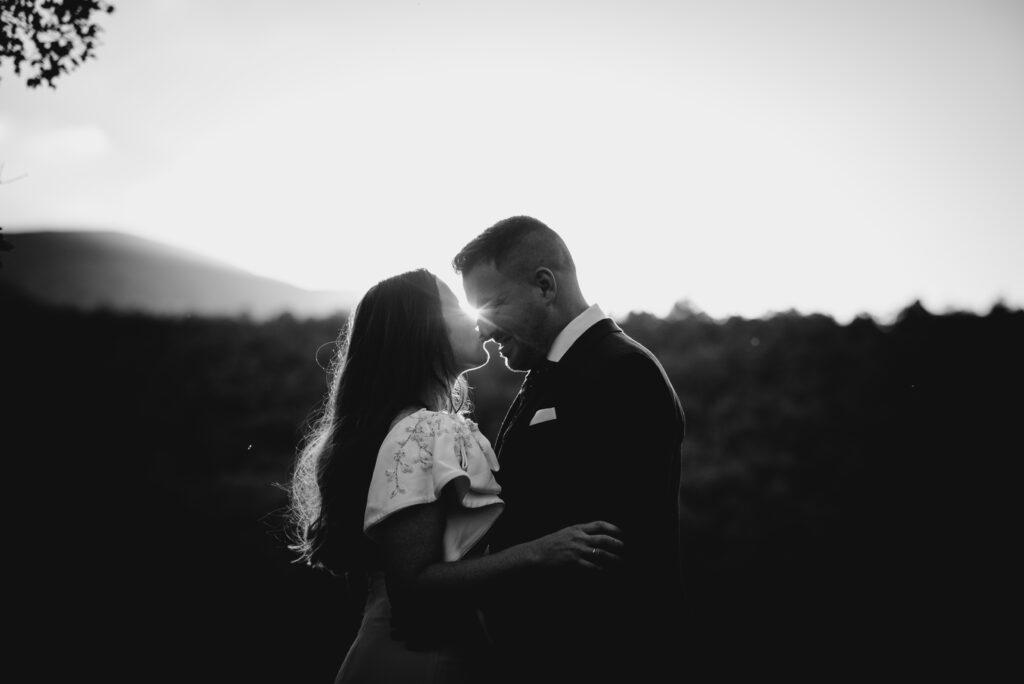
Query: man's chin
(514, 367)
(518, 358)
(517, 363)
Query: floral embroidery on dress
(483, 445)
(464, 441)
(417, 447)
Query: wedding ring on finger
(594, 552)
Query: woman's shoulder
(436, 433)
(420, 420)
(426, 421)
(422, 427)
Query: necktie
(527, 393)
(535, 377)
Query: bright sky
(749, 155)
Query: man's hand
(593, 546)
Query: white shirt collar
(573, 331)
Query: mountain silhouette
(111, 270)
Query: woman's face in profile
(467, 347)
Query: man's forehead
(483, 281)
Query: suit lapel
(510, 418)
(575, 359)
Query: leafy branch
(48, 38)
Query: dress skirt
(376, 656)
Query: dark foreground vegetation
(837, 478)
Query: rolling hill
(94, 270)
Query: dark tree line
(5, 246)
(834, 476)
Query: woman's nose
(485, 328)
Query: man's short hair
(517, 246)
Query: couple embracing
(552, 554)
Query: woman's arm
(412, 541)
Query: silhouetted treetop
(914, 311)
(5, 246)
(48, 38)
(684, 309)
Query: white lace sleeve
(421, 455)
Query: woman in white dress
(396, 488)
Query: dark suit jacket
(612, 454)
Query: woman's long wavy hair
(394, 355)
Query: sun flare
(470, 311)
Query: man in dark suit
(595, 434)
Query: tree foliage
(5, 246)
(837, 479)
(45, 39)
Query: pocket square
(543, 415)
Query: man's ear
(544, 279)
